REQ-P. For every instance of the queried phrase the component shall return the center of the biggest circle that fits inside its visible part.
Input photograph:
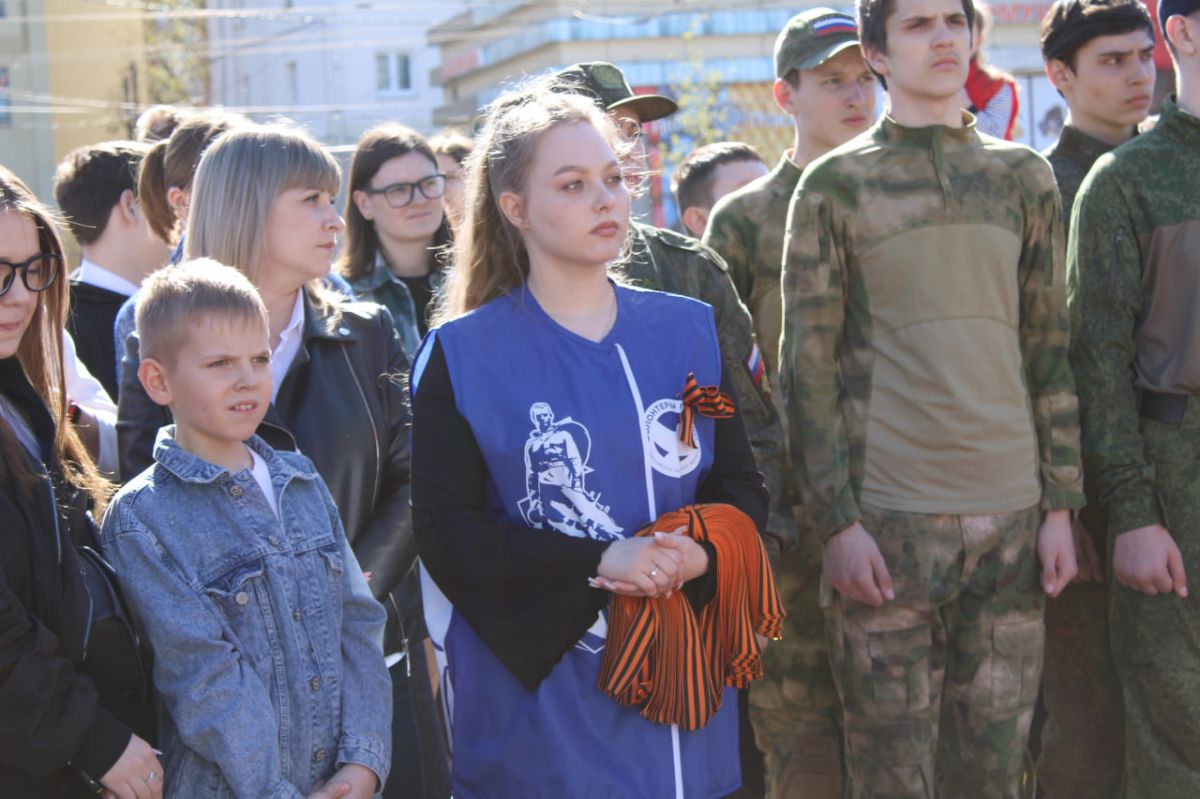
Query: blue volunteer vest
(580, 439)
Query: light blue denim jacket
(267, 643)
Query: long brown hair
(377, 146)
(490, 258)
(40, 354)
(173, 162)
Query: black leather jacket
(344, 404)
(50, 713)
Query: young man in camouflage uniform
(933, 418)
(1134, 271)
(824, 84)
(668, 261)
(1099, 54)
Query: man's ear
(363, 203)
(783, 93)
(154, 379)
(1058, 73)
(876, 60)
(1179, 30)
(695, 219)
(126, 209)
(513, 208)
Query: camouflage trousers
(1083, 737)
(1156, 639)
(938, 685)
(794, 708)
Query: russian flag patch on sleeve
(758, 369)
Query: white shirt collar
(93, 274)
(289, 344)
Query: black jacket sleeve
(50, 714)
(386, 546)
(523, 591)
(138, 417)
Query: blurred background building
(79, 71)
(71, 73)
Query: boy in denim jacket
(267, 642)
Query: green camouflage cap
(606, 84)
(810, 39)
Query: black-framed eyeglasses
(399, 195)
(37, 272)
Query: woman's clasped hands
(650, 566)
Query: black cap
(1169, 8)
(606, 84)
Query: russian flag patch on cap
(836, 24)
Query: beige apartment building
(70, 74)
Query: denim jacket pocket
(335, 567)
(242, 596)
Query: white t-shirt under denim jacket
(267, 641)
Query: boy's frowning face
(218, 384)
(928, 49)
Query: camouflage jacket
(667, 261)
(1134, 273)
(1071, 157)
(746, 228)
(925, 330)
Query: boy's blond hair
(173, 299)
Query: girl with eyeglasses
(396, 226)
(58, 735)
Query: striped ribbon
(706, 400)
(674, 665)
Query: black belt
(1165, 408)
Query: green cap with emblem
(813, 37)
(606, 84)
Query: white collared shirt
(91, 396)
(290, 339)
(95, 275)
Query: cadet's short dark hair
(692, 183)
(90, 181)
(1070, 24)
(872, 25)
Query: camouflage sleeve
(1045, 335)
(725, 235)
(763, 427)
(814, 280)
(1105, 290)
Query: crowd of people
(454, 479)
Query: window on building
(393, 72)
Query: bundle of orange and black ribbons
(674, 665)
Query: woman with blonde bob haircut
(262, 202)
(532, 475)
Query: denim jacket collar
(191, 468)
